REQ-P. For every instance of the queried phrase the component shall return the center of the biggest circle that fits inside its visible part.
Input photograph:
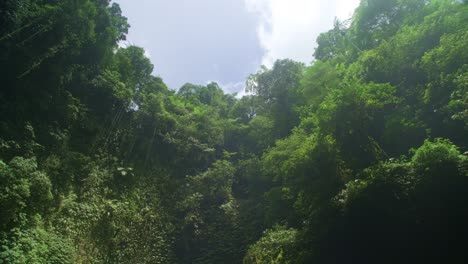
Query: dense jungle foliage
(359, 158)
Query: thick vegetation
(359, 158)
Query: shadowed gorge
(359, 157)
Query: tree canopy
(359, 157)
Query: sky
(199, 41)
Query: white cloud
(147, 54)
(345, 8)
(232, 87)
(289, 28)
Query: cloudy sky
(198, 41)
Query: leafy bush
(35, 245)
(276, 246)
(23, 189)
